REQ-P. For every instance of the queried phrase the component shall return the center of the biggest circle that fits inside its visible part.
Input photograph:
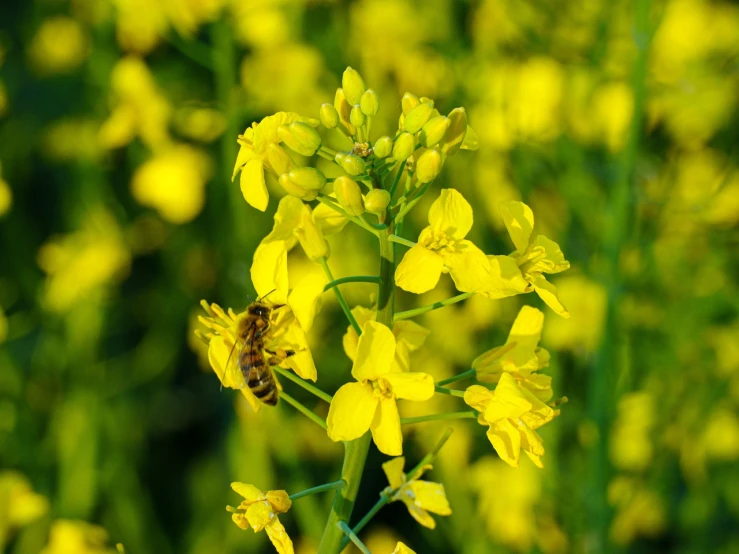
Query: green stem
(303, 383)
(400, 240)
(450, 392)
(384, 499)
(413, 201)
(340, 297)
(353, 279)
(466, 375)
(323, 199)
(437, 417)
(430, 307)
(340, 484)
(394, 186)
(354, 538)
(303, 410)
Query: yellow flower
(59, 46)
(631, 446)
(19, 505)
(260, 150)
(80, 537)
(520, 356)
(6, 195)
(296, 222)
(420, 497)
(409, 337)
(401, 548)
(513, 414)
(259, 511)
(534, 257)
(371, 403)
(288, 323)
(442, 248)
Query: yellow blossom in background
(520, 356)
(69, 536)
(534, 257)
(640, 512)
(199, 123)
(186, 16)
(513, 414)
(263, 25)
(260, 510)
(19, 505)
(6, 195)
(173, 183)
(409, 337)
(631, 443)
(370, 404)
(401, 548)
(587, 301)
(140, 24)
(72, 139)
(80, 263)
(379, 538)
(420, 497)
(59, 46)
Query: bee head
(259, 310)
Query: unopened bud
(279, 159)
(349, 195)
(408, 102)
(434, 131)
(294, 190)
(428, 166)
(356, 116)
(339, 158)
(370, 103)
(452, 141)
(383, 147)
(377, 201)
(428, 101)
(353, 85)
(308, 178)
(343, 108)
(471, 141)
(311, 237)
(417, 118)
(404, 146)
(329, 116)
(300, 137)
(353, 164)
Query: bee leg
(282, 354)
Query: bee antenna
(249, 297)
(266, 295)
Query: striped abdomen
(257, 373)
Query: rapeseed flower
(296, 222)
(513, 414)
(19, 505)
(401, 548)
(259, 510)
(420, 497)
(68, 535)
(370, 404)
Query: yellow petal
(410, 333)
(477, 397)
(350, 340)
(254, 403)
(286, 219)
(401, 548)
(451, 214)
(351, 412)
(294, 338)
(419, 270)
(430, 496)
(508, 402)
(411, 385)
(539, 385)
(505, 278)
(519, 220)
(249, 492)
(269, 271)
(329, 221)
(259, 515)
(526, 329)
(548, 293)
(253, 186)
(418, 513)
(280, 501)
(506, 440)
(394, 472)
(280, 540)
(221, 352)
(555, 260)
(386, 428)
(534, 458)
(245, 154)
(469, 268)
(305, 298)
(375, 352)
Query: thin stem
(466, 375)
(430, 307)
(438, 417)
(401, 240)
(428, 458)
(303, 410)
(354, 538)
(394, 186)
(340, 484)
(450, 392)
(303, 383)
(197, 51)
(340, 297)
(413, 201)
(384, 499)
(323, 199)
(353, 279)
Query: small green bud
(339, 158)
(329, 116)
(349, 195)
(409, 102)
(452, 141)
(279, 159)
(300, 137)
(370, 103)
(417, 118)
(294, 190)
(383, 147)
(353, 164)
(353, 86)
(434, 130)
(308, 178)
(404, 146)
(377, 201)
(428, 166)
(356, 116)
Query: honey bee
(256, 368)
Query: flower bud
(409, 102)
(343, 108)
(471, 140)
(349, 195)
(383, 147)
(311, 237)
(279, 159)
(452, 141)
(356, 116)
(300, 137)
(417, 118)
(339, 158)
(434, 131)
(370, 103)
(308, 178)
(353, 164)
(329, 116)
(377, 201)
(428, 166)
(428, 101)
(404, 146)
(353, 86)
(294, 190)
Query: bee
(254, 365)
